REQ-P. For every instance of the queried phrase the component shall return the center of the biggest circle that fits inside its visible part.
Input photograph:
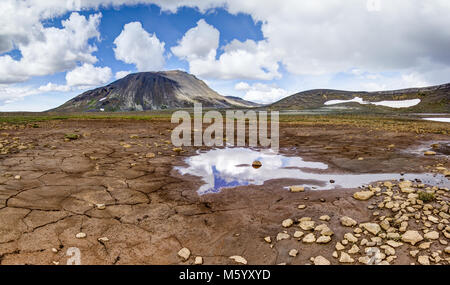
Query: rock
(323, 239)
(100, 206)
(363, 195)
(282, 236)
(423, 260)
(350, 237)
(320, 260)
(293, 252)
(354, 249)
(17, 177)
(256, 164)
(348, 222)
(298, 234)
(239, 259)
(364, 260)
(184, 253)
(103, 239)
(385, 225)
(432, 235)
(324, 218)
(339, 246)
(268, 239)
(413, 253)
(433, 219)
(177, 149)
(429, 153)
(301, 207)
(307, 225)
(150, 155)
(198, 260)
(425, 245)
(388, 250)
(54, 250)
(287, 223)
(412, 237)
(394, 236)
(372, 228)
(447, 250)
(80, 235)
(335, 254)
(309, 238)
(345, 258)
(295, 189)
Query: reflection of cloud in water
(230, 167)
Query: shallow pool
(231, 167)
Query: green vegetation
(72, 136)
(426, 196)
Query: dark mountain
(435, 99)
(151, 91)
(244, 102)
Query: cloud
(52, 49)
(121, 74)
(51, 87)
(9, 94)
(136, 46)
(200, 42)
(88, 75)
(261, 93)
(240, 60)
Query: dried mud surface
(152, 211)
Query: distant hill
(435, 99)
(245, 102)
(151, 91)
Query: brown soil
(152, 211)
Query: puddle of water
(231, 167)
(445, 120)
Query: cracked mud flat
(152, 211)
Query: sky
(260, 50)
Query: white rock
(100, 206)
(198, 260)
(348, 222)
(323, 239)
(423, 260)
(287, 223)
(345, 258)
(239, 259)
(293, 252)
(184, 253)
(372, 228)
(268, 239)
(363, 195)
(282, 236)
(350, 237)
(320, 260)
(309, 238)
(103, 239)
(295, 189)
(412, 237)
(80, 235)
(394, 244)
(298, 234)
(354, 249)
(324, 218)
(307, 225)
(432, 235)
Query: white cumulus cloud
(88, 75)
(261, 93)
(136, 46)
(121, 74)
(52, 49)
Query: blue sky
(261, 50)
